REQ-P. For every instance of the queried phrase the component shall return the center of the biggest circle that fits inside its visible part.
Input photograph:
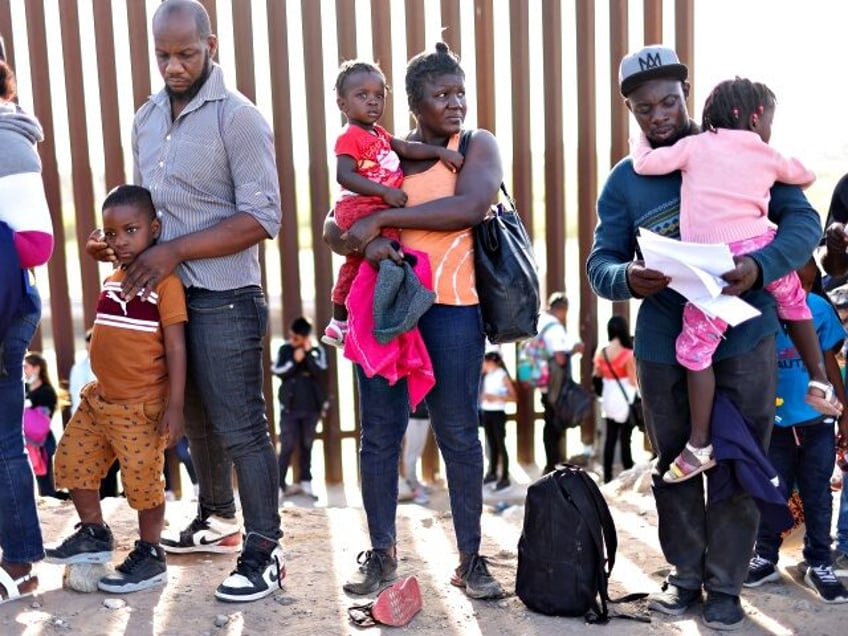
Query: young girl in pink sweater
(727, 172)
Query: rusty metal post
(278, 53)
(139, 59)
(7, 38)
(554, 142)
(381, 46)
(83, 187)
(451, 27)
(60, 306)
(684, 38)
(104, 37)
(484, 46)
(619, 125)
(587, 188)
(522, 185)
(653, 31)
(319, 196)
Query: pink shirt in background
(727, 176)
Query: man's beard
(188, 94)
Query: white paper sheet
(695, 270)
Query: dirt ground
(321, 543)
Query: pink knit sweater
(727, 176)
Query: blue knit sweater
(629, 201)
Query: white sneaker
(257, 575)
(404, 491)
(306, 489)
(170, 496)
(213, 534)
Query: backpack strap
(615, 375)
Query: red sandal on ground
(827, 403)
(13, 589)
(682, 469)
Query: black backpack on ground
(567, 548)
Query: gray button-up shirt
(215, 160)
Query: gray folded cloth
(399, 300)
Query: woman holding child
(441, 209)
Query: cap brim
(668, 71)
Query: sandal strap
(12, 586)
(701, 454)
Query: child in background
(497, 389)
(40, 394)
(802, 449)
(129, 412)
(413, 447)
(368, 170)
(727, 172)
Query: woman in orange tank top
(442, 208)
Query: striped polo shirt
(214, 160)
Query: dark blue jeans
(297, 430)
(454, 340)
(20, 532)
(225, 418)
(803, 455)
(707, 546)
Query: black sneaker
(489, 478)
(502, 484)
(473, 575)
(91, 543)
(760, 571)
(375, 568)
(723, 612)
(673, 600)
(144, 567)
(822, 579)
(213, 534)
(259, 571)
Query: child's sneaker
(260, 570)
(91, 543)
(822, 579)
(760, 571)
(306, 489)
(213, 534)
(683, 468)
(144, 567)
(334, 333)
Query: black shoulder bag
(506, 272)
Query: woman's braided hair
(8, 87)
(732, 103)
(427, 65)
(351, 67)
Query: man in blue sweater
(708, 547)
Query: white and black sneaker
(760, 571)
(213, 534)
(91, 543)
(822, 579)
(260, 571)
(143, 568)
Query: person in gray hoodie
(25, 224)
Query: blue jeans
(842, 520)
(803, 455)
(454, 340)
(225, 418)
(707, 546)
(297, 430)
(20, 532)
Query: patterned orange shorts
(100, 431)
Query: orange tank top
(451, 253)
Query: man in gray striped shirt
(207, 156)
